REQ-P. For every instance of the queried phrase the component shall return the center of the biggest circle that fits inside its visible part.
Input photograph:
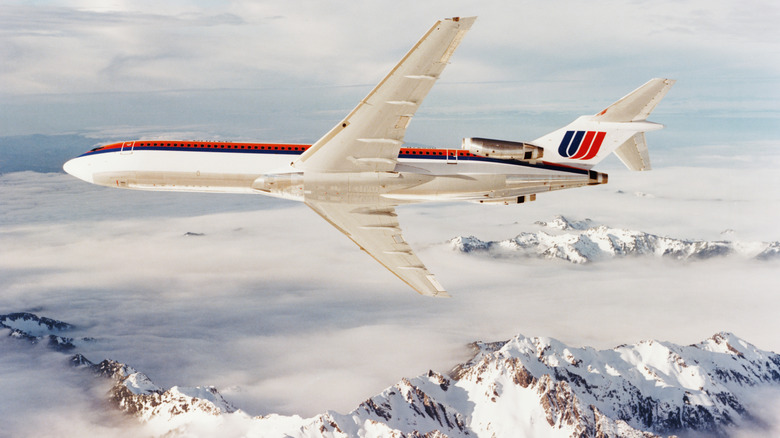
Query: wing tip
(463, 22)
(438, 289)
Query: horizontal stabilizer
(633, 153)
(638, 104)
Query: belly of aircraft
(468, 181)
(185, 171)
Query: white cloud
(144, 47)
(286, 315)
(43, 396)
(765, 406)
(281, 71)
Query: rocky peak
(534, 385)
(134, 393)
(35, 329)
(32, 324)
(562, 223)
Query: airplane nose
(80, 168)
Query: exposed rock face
(540, 386)
(131, 391)
(650, 387)
(584, 242)
(520, 387)
(35, 329)
(135, 394)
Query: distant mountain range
(520, 387)
(584, 242)
(42, 153)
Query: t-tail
(620, 129)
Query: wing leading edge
(370, 137)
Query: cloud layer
(284, 314)
(140, 46)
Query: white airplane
(357, 173)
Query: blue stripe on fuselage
(442, 157)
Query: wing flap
(370, 137)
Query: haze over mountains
(41, 153)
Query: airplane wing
(375, 229)
(370, 137)
(368, 140)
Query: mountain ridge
(534, 385)
(584, 241)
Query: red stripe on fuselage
(286, 147)
(199, 146)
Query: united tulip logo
(581, 145)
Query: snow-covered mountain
(134, 393)
(520, 387)
(585, 241)
(542, 387)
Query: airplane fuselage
(421, 175)
(358, 172)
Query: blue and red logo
(581, 145)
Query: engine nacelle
(503, 150)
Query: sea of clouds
(284, 314)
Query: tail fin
(619, 128)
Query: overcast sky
(279, 70)
(278, 309)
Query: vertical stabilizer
(620, 128)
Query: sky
(285, 72)
(283, 313)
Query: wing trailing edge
(370, 137)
